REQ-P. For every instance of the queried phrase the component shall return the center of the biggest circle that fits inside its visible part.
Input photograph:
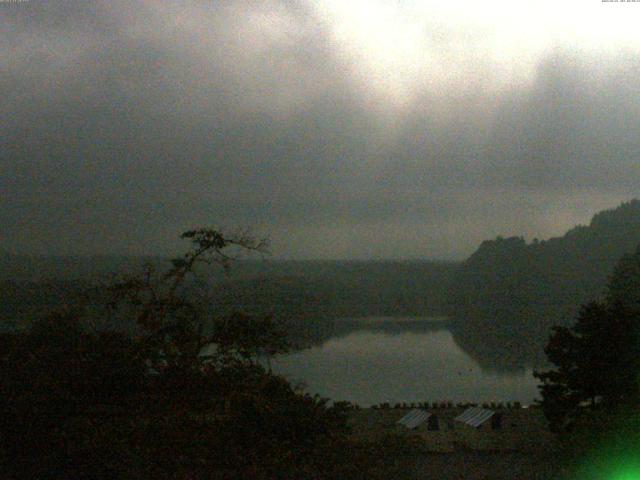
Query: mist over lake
(379, 359)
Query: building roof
(475, 416)
(414, 418)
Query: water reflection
(401, 360)
(503, 350)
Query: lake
(375, 360)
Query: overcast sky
(340, 128)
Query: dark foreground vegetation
(81, 405)
(178, 394)
(591, 397)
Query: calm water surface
(369, 366)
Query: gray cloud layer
(125, 123)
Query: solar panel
(414, 418)
(475, 416)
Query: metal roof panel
(475, 416)
(414, 418)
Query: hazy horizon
(272, 256)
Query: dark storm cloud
(127, 122)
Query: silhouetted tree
(181, 395)
(598, 358)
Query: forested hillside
(31, 286)
(509, 293)
(339, 289)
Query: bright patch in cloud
(405, 47)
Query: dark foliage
(181, 395)
(597, 359)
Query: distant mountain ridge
(32, 285)
(509, 291)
